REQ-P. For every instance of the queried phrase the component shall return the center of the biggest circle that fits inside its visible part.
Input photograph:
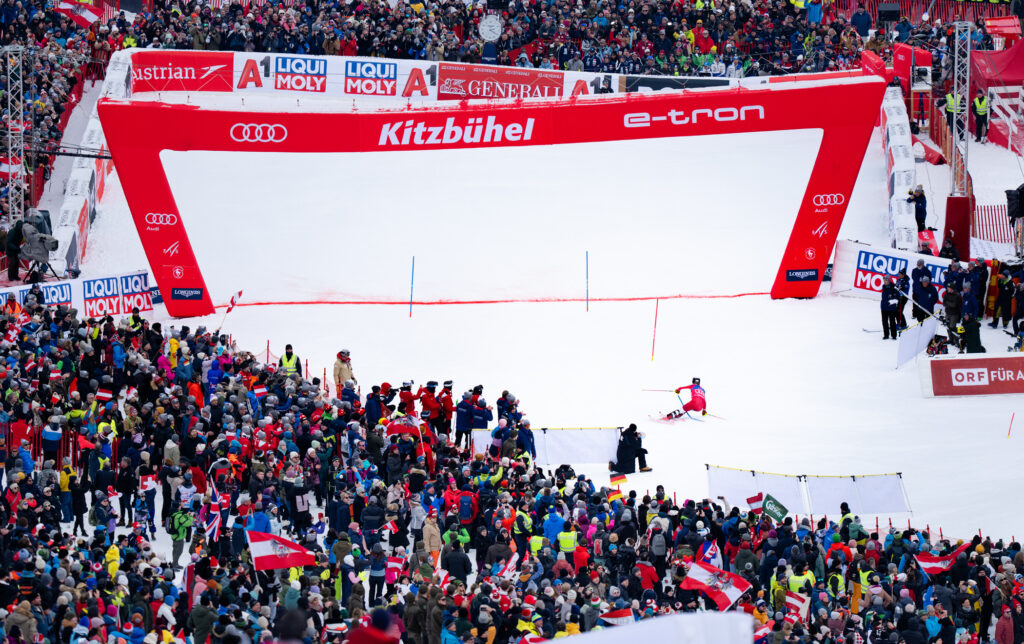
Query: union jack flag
(213, 527)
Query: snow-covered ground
(803, 389)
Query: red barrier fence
(16, 431)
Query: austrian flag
(722, 587)
(934, 565)
(259, 391)
(104, 395)
(271, 552)
(754, 503)
(234, 302)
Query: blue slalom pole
(412, 281)
(588, 281)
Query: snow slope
(803, 388)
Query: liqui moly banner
(136, 140)
(116, 295)
(862, 270)
(972, 375)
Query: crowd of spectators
(417, 536)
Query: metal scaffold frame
(962, 93)
(14, 59)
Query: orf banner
(975, 375)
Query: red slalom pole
(654, 337)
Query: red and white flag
(131, 393)
(30, 365)
(234, 302)
(441, 574)
(395, 564)
(530, 638)
(270, 552)
(937, 565)
(54, 375)
(391, 526)
(723, 587)
(508, 571)
(147, 482)
(619, 617)
(797, 607)
(259, 391)
(54, 399)
(104, 395)
(9, 165)
(754, 503)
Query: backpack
(465, 508)
(92, 516)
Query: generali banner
(977, 375)
(137, 131)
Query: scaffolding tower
(962, 94)
(14, 59)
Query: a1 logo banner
(774, 509)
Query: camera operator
(630, 448)
(13, 249)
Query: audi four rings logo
(258, 133)
(829, 200)
(161, 219)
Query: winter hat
(296, 585)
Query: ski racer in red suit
(697, 400)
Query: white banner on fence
(567, 445)
(689, 628)
(872, 494)
(739, 485)
(859, 269)
(865, 494)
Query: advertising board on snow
(973, 375)
(862, 270)
(115, 295)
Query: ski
(871, 330)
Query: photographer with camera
(630, 448)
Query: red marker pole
(654, 338)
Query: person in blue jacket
(524, 440)
(28, 464)
(51, 440)
(482, 414)
(259, 521)
(925, 298)
(890, 315)
(464, 419)
(970, 301)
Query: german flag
(614, 495)
(618, 479)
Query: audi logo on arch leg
(161, 219)
(829, 200)
(258, 133)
